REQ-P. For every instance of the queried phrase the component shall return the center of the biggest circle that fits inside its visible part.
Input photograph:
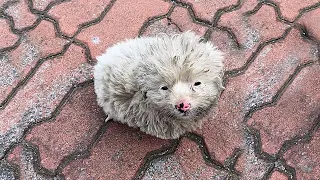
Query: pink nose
(183, 106)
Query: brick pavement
(266, 124)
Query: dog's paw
(108, 118)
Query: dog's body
(164, 85)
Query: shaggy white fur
(141, 81)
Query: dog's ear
(143, 91)
(144, 94)
(219, 84)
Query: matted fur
(130, 74)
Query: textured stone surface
(41, 4)
(206, 9)
(44, 91)
(249, 164)
(21, 14)
(103, 35)
(278, 176)
(183, 20)
(186, 163)
(250, 30)
(165, 168)
(69, 131)
(37, 44)
(117, 155)
(305, 158)
(25, 158)
(162, 26)
(5, 33)
(83, 11)
(310, 20)
(235, 57)
(179, 21)
(294, 114)
(6, 171)
(223, 130)
(290, 8)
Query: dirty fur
(130, 76)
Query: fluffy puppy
(164, 85)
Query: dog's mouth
(182, 113)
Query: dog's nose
(183, 106)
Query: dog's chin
(188, 115)
(195, 113)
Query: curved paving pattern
(266, 125)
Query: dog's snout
(183, 106)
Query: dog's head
(182, 77)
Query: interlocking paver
(294, 114)
(278, 176)
(235, 57)
(183, 20)
(251, 30)
(42, 94)
(185, 163)
(6, 34)
(2, 2)
(266, 124)
(310, 20)
(222, 131)
(165, 168)
(263, 79)
(116, 156)
(273, 66)
(36, 44)
(206, 9)
(73, 129)
(178, 21)
(305, 158)
(25, 157)
(264, 23)
(236, 21)
(7, 172)
(127, 17)
(164, 25)
(250, 166)
(21, 15)
(82, 11)
(291, 8)
(41, 4)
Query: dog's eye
(164, 88)
(197, 83)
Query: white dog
(164, 85)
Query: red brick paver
(206, 9)
(295, 113)
(185, 163)
(266, 125)
(278, 176)
(73, 129)
(21, 15)
(290, 8)
(305, 158)
(6, 34)
(82, 12)
(128, 15)
(37, 44)
(309, 20)
(118, 155)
